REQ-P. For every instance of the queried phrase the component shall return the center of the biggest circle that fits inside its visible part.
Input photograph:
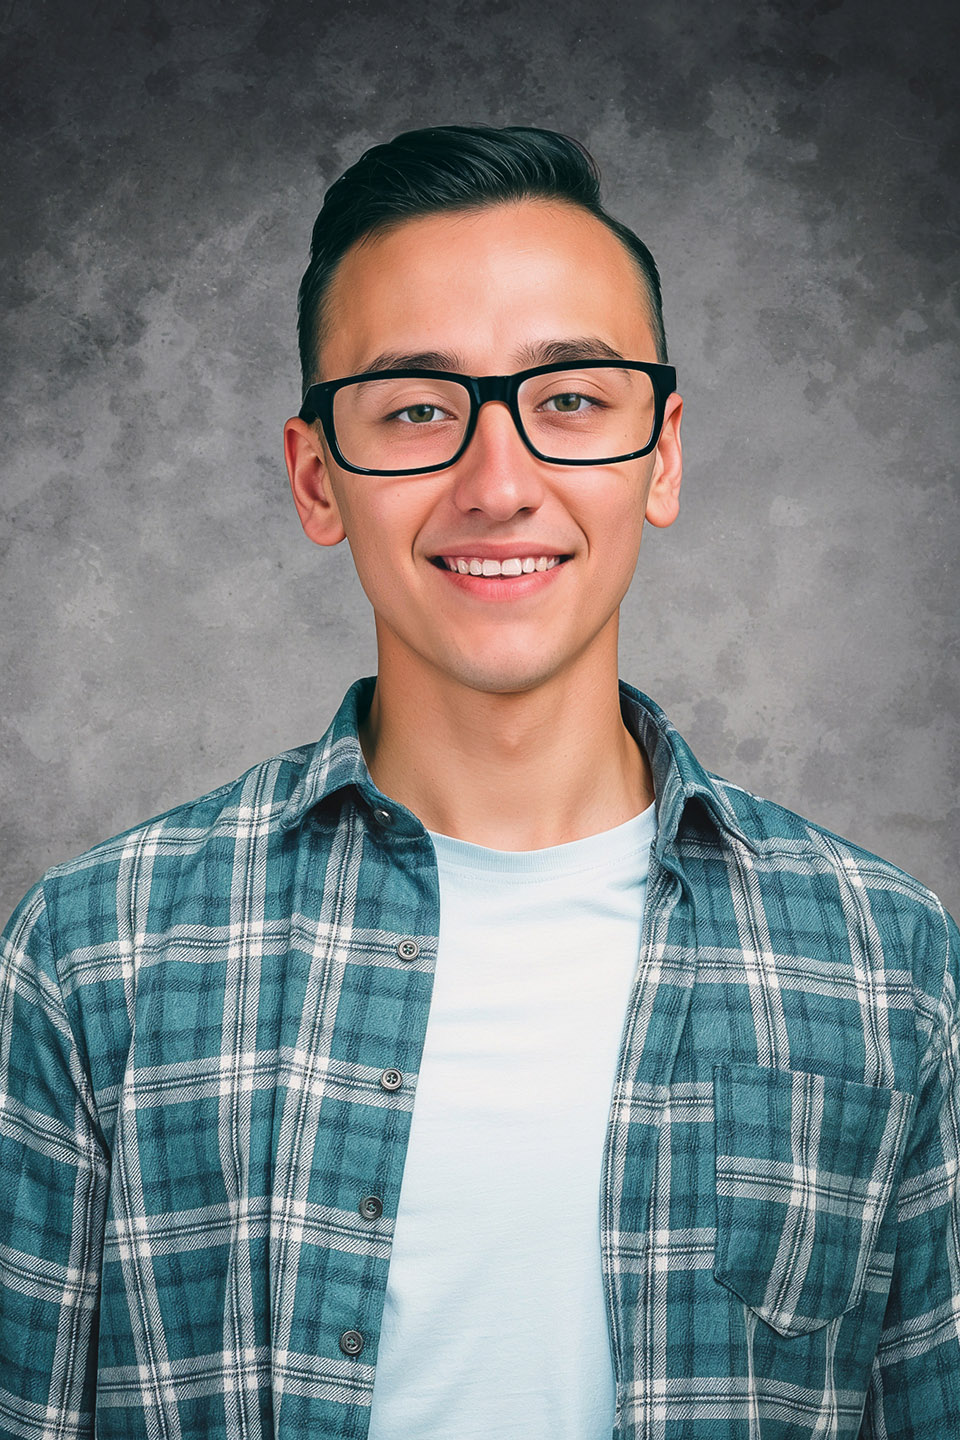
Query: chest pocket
(805, 1168)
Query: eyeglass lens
(404, 423)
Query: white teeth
(464, 565)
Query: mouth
(488, 569)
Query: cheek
(614, 519)
(615, 546)
(382, 528)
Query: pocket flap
(805, 1166)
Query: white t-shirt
(495, 1324)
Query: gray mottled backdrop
(794, 168)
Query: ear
(308, 468)
(663, 497)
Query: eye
(568, 403)
(419, 414)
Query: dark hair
(453, 167)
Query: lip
(502, 587)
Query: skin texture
(483, 700)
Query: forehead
(485, 284)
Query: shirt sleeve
(915, 1386)
(53, 1188)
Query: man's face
(485, 293)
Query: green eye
(420, 414)
(567, 404)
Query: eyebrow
(583, 347)
(541, 352)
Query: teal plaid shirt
(210, 1033)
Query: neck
(518, 771)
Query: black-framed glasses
(410, 422)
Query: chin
(510, 676)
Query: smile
(473, 565)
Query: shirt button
(351, 1342)
(383, 817)
(391, 1079)
(408, 949)
(371, 1207)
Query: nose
(497, 474)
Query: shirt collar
(678, 776)
(337, 763)
(336, 760)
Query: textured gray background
(794, 169)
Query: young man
(488, 1068)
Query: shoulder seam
(820, 839)
(184, 808)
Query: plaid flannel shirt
(210, 1032)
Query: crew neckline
(622, 843)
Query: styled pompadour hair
(453, 167)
